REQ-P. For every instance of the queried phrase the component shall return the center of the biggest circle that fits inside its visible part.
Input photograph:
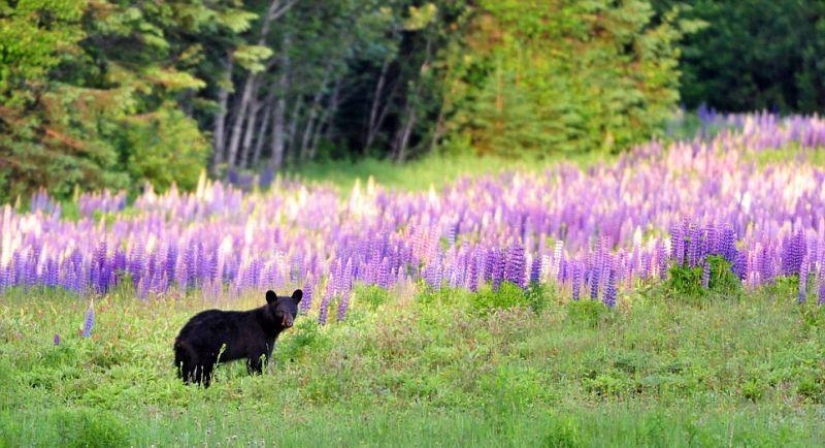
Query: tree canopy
(753, 54)
(113, 94)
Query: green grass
(419, 175)
(789, 154)
(417, 368)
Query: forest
(107, 94)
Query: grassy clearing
(444, 368)
(419, 175)
(790, 154)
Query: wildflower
(89, 321)
(56, 339)
(611, 291)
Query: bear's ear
(271, 297)
(297, 295)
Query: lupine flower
(514, 266)
(174, 240)
(343, 304)
(324, 311)
(610, 291)
(577, 282)
(706, 274)
(89, 321)
(535, 270)
(803, 282)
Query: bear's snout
(287, 321)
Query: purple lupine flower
(694, 245)
(706, 274)
(89, 321)
(433, 275)
(472, 277)
(661, 259)
(610, 291)
(306, 302)
(803, 282)
(343, 304)
(385, 276)
(514, 266)
(728, 245)
(490, 262)
(710, 240)
(535, 269)
(56, 339)
(740, 265)
(171, 260)
(499, 269)
(793, 250)
(677, 244)
(324, 311)
(577, 281)
(595, 276)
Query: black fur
(216, 336)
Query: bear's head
(284, 309)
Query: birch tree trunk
(326, 119)
(246, 146)
(219, 124)
(292, 130)
(240, 118)
(313, 115)
(402, 138)
(275, 10)
(259, 143)
(276, 159)
(376, 119)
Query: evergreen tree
(753, 54)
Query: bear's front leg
(255, 363)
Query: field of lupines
(591, 233)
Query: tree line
(112, 94)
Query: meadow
(670, 296)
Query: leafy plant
(715, 277)
(589, 313)
(506, 296)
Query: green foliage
(564, 77)
(372, 296)
(588, 313)
(252, 57)
(301, 343)
(813, 315)
(687, 282)
(95, 91)
(753, 54)
(164, 148)
(508, 295)
(87, 428)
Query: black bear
(215, 336)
